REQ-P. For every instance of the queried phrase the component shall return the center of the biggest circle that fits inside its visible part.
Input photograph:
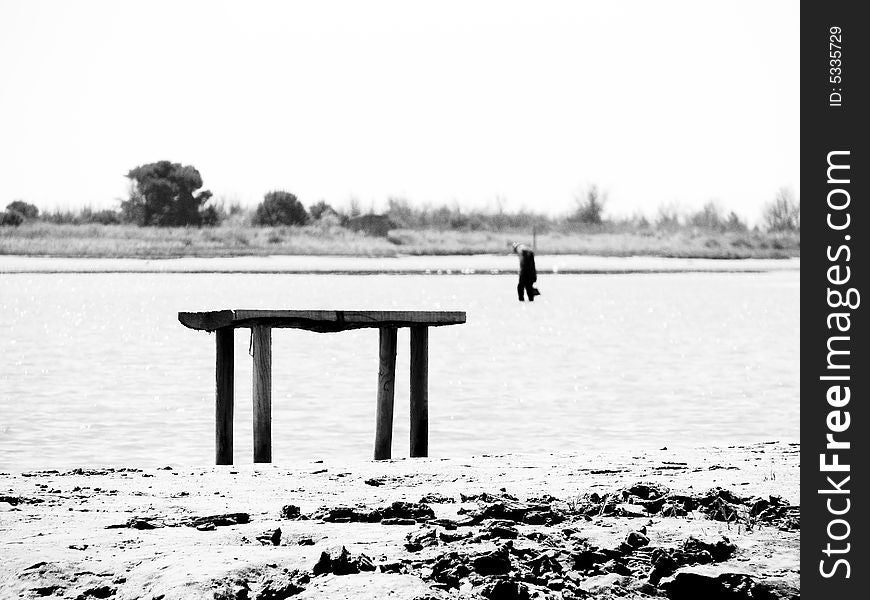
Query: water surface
(97, 370)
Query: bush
(86, 215)
(734, 223)
(103, 217)
(784, 213)
(211, 216)
(162, 194)
(328, 222)
(402, 213)
(133, 209)
(709, 217)
(280, 208)
(25, 209)
(11, 218)
(668, 217)
(320, 210)
(712, 217)
(590, 210)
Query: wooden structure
(261, 323)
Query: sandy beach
(710, 522)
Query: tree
(25, 209)
(401, 212)
(590, 209)
(735, 223)
(353, 207)
(163, 194)
(280, 208)
(320, 209)
(784, 213)
(709, 217)
(668, 216)
(11, 218)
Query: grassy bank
(129, 241)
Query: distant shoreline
(481, 264)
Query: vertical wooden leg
(386, 393)
(419, 391)
(223, 440)
(262, 345)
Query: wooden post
(386, 393)
(419, 391)
(223, 439)
(262, 345)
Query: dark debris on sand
(717, 504)
(205, 523)
(339, 561)
(488, 552)
(502, 548)
(410, 512)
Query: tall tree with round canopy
(164, 194)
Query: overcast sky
(444, 102)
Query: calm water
(96, 369)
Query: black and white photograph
(477, 300)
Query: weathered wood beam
(386, 393)
(224, 399)
(207, 321)
(262, 348)
(319, 320)
(419, 391)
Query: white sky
(442, 102)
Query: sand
(116, 533)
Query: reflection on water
(97, 370)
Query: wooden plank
(224, 400)
(207, 321)
(262, 348)
(319, 320)
(386, 393)
(419, 391)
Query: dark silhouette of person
(528, 273)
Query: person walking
(528, 273)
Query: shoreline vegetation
(167, 216)
(679, 523)
(329, 238)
